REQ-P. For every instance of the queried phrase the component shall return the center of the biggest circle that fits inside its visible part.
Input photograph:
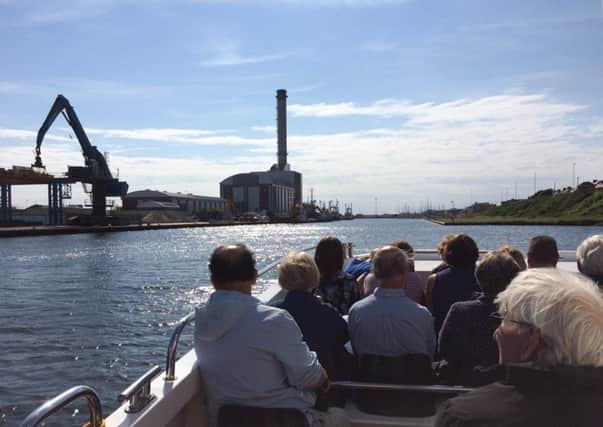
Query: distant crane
(96, 172)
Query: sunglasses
(500, 317)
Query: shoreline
(514, 221)
(54, 230)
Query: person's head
(329, 256)
(405, 246)
(589, 257)
(495, 271)
(516, 254)
(298, 271)
(550, 317)
(390, 265)
(441, 248)
(542, 252)
(408, 250)
(461, 251)
(233, 268)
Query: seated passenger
(248, 353)
(549, 342)
(388, 323)
(441, 248)
(455, 283)
(589, 257)
(516, 254)
(542, 252)
(336, 288)
(323, 328)
(415, 288)
(466, 336)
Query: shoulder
(465, 307)
(362, 304)
(275, 315)
(484, 406)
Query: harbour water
(97, 309)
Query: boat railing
(170, 364)
(139, 392)
(59, 402)
(431, 389)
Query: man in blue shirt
(249, 353)
(388, 323)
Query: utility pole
(534, 192)
(515, 190)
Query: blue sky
(403, 101)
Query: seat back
(405, 369)
(236, 416)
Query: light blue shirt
(252, 354)
(388, 323)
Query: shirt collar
(389, 292)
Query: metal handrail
(170, 363)
(59, 402)
(139, 392)
(435, 389)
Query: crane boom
(93, 158)
(96, 171)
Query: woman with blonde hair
(323, 329)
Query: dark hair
(329, 256)
(233, 263)
(461, 251)
(495, 272)
(543, 251)
(405, 246)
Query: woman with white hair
(589, 257)
(550, 344)
(323, 328)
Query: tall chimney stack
(281, 119)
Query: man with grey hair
(251, 354)
(589, 257)
(387, 322)
(550, 344)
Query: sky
(392, 104)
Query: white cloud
(7, 87)
(492, 108)
(76, 87)
(22, 134)
(53, 11)
(379, 46)
(226, 52)
(267, 129)
(188, 136)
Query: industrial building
(274, 192)
(199, 206)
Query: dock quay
(52, 230)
